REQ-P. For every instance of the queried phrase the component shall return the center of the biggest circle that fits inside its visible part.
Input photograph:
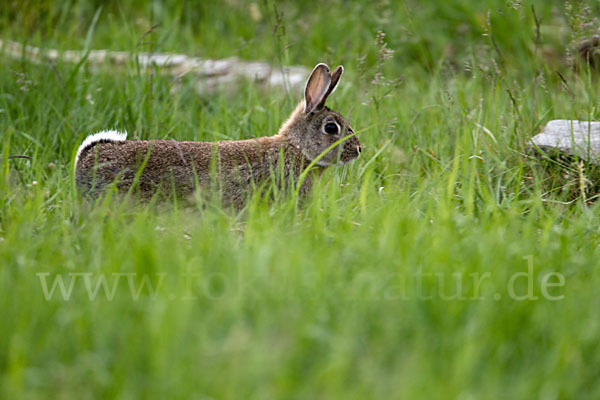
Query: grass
(393, 279)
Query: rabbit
(235, 167)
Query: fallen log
(210, 74)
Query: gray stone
(572, 138)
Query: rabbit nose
(358, 148)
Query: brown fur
(234, 168)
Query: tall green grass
(392, 279)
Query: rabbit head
(313, 127)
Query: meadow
(448, 261)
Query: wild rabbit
(235, 167)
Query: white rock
(571, 137)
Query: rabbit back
(232, 167)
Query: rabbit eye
(331, 128)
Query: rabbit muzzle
(351, 149)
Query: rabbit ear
(335, 79)
(317, 88)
